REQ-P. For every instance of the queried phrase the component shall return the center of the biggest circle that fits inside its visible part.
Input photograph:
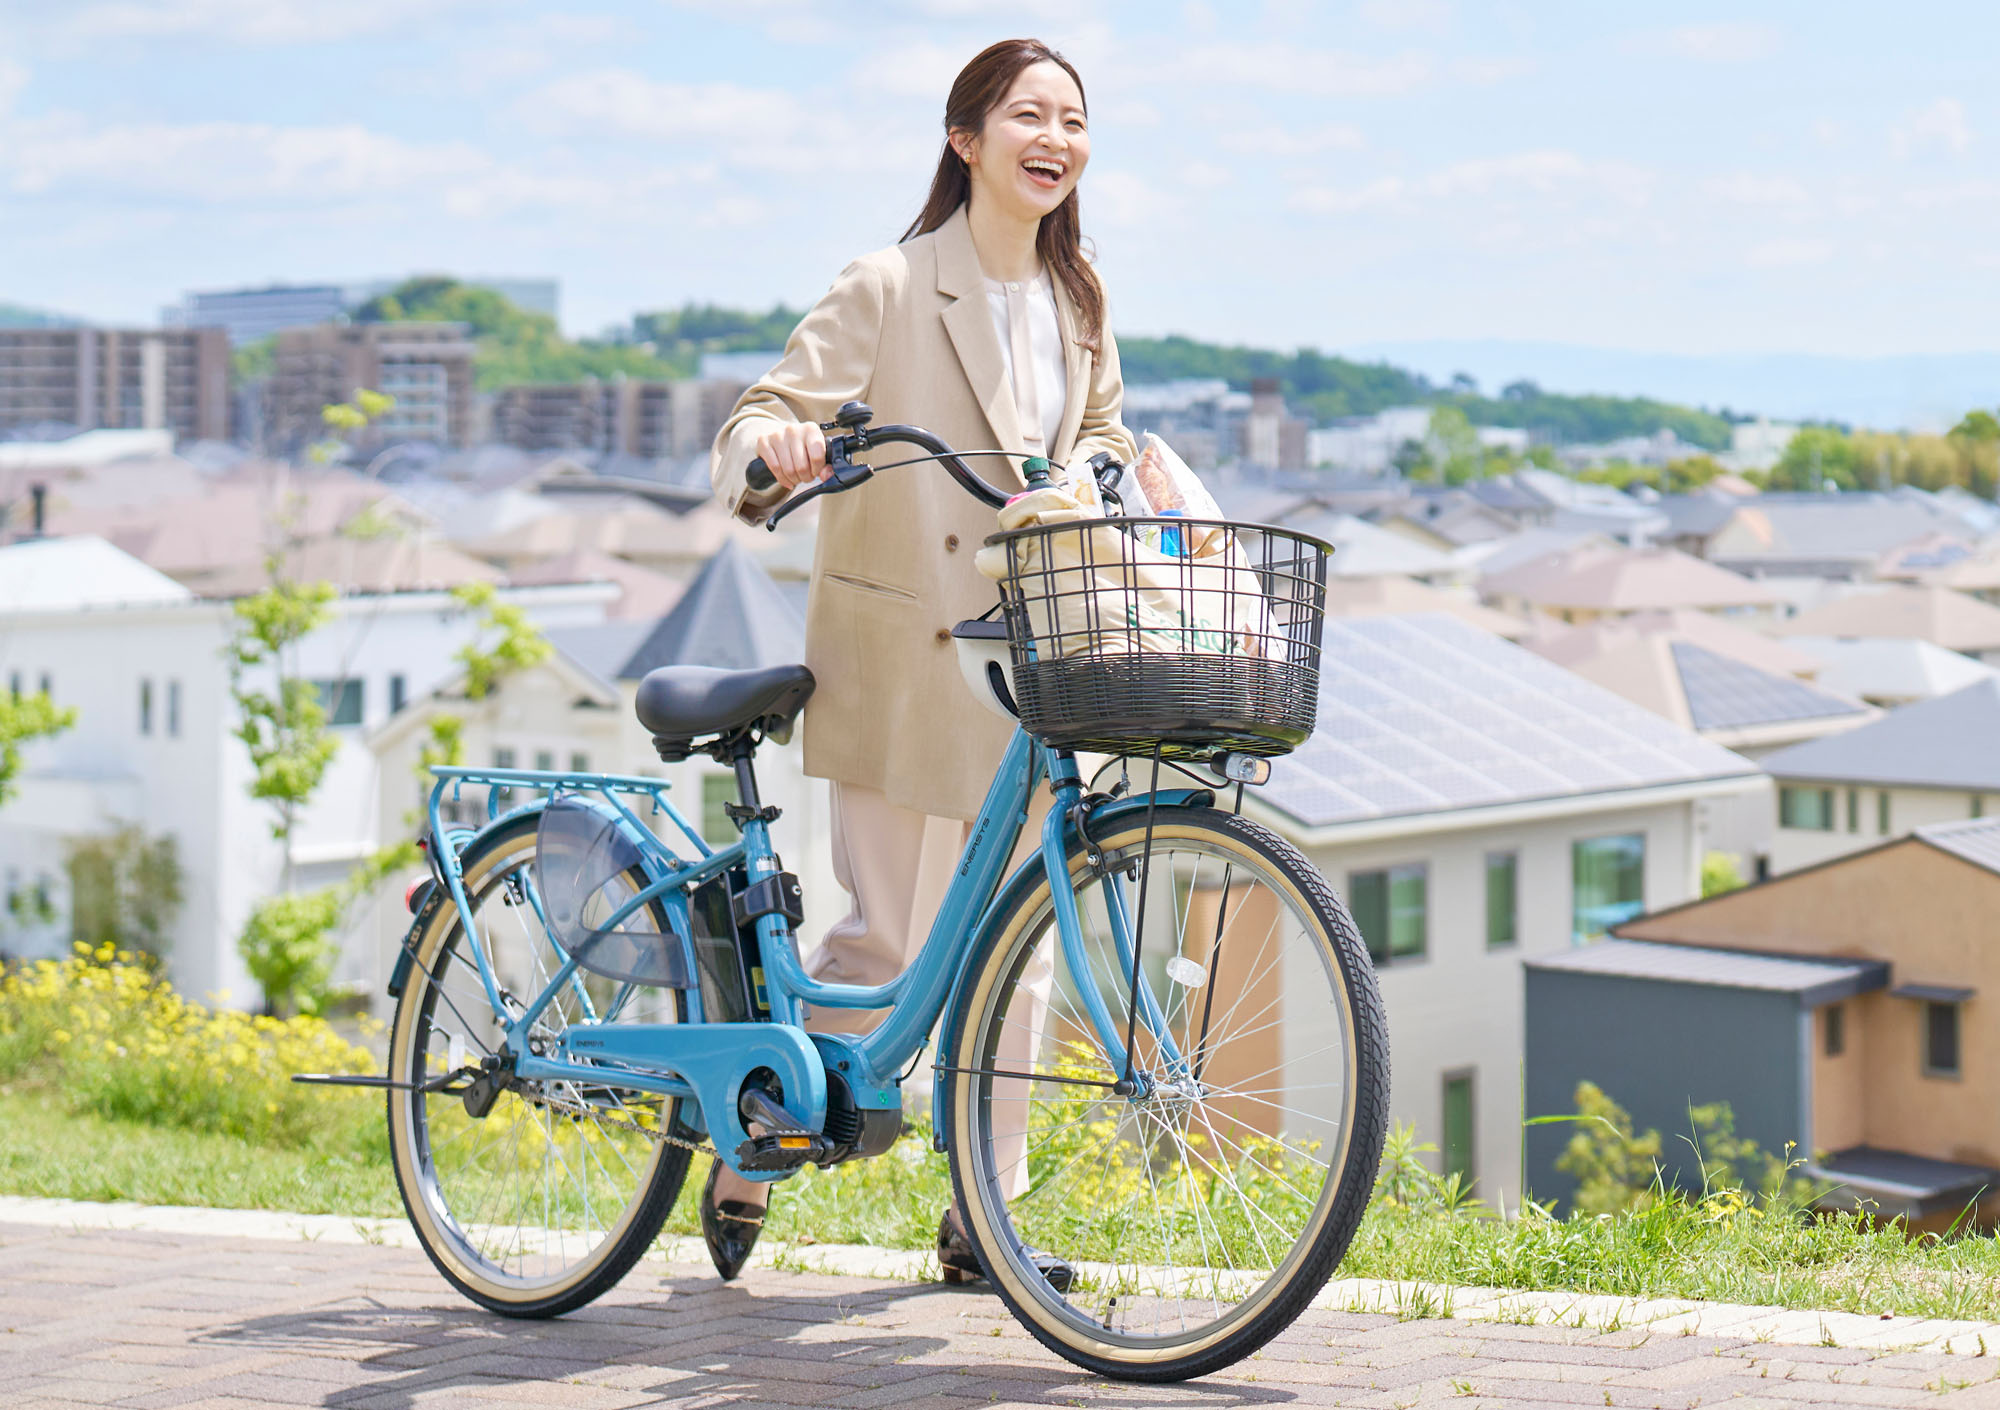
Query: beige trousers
(895, 866)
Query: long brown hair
(978, 89)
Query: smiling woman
(987, 326)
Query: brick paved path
(130, 1318)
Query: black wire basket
(1197, 637)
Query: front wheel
(1202, 1212)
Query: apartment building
(426, 367)
(173, 379)
(645, 420)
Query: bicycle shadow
(693, 1339)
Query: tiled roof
(1724, 693)
(1625, 580)
(1424, 714)
(1814, 980)
(62, 574)
(1890, 668)
(1977, 841)
(1934, 614)
(1947, 742)
(732, 616)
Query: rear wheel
(547, 1199)
(1203, 1212)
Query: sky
(1689, 178)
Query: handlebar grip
(759, 476)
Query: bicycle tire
(486, 863)
(979, 1014)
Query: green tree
(512, 346)
(1719, 874)
(22, 718)
(1818, 457)
(1454, 446)
(125, 891)
(1615, 1169)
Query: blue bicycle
(1159, 1049)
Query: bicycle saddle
(683, 702)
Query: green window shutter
(1409, 911)
(1456, 1145)
(1368, 902)
(1502, 914)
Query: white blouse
(1024, 315)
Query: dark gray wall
(1657, 1048)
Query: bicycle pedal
(781, 1150)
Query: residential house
(144, 662)
(1888, 670)
(1843, 1011)
(1935, 761)
(644, 594)
(1586, 583)
(575, 711)
(1545, 499)
(1476, 804)
(1389, 594)
(1818, 537)
(1934, 614)
(1709, 678)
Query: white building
(144, 664)
(1367, 445)
(1475, 804)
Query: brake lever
(842, 474)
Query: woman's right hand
(795, 452)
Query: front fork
(1126, 938)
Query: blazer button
(943, 635)
(951, 543)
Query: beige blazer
(909, 331)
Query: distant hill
(1327, 387)
(20, 316)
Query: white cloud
(1382, 193)
(1291, 68)
(13, 78)
(1296, 141)
(1548, 177)
(1729, 42)
(1434, 15)
(1788, 253)
(1940, 124)
(1751, 189)
(246, 21)
(1123, 199)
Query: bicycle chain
(578, 1107)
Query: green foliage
(116, 1041)
(284, 946)
(283, 728)
(1326, 387)
(1967, 457)
(681, 336)
(125, 889)
(1719, 873)
(513, 347)
(1615, 1170)
(506, 640)
(1676, 477)
(22, 718)
(254, 361)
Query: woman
(985, 325)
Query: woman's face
(1034, 146)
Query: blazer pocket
(871, 585)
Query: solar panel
(1423, 713)
(1723, 692)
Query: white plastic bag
(1159, 483)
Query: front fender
(1025, 877)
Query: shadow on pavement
(705, 1339)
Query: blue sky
(1690, 178)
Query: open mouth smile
(1046, 172)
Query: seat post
(743, 759)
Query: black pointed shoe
(960, 1264)
(729, 1227)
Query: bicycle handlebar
(844, 473)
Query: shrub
(288, 948)
(117, 1041)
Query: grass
(113, 1090)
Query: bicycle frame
(708, 1062)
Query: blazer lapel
(969, 321)
(1076, 359)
